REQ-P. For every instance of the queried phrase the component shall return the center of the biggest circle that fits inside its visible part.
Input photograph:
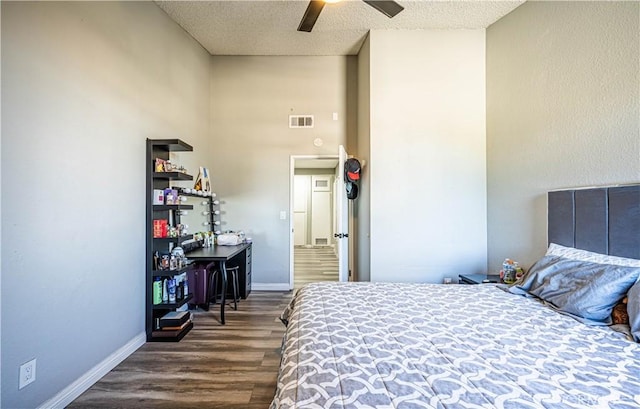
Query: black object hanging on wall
(351, 177)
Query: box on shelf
(171, 196)
(160, 228)
(177, 327)
(174, 319)
(171, 334)
(158, 196)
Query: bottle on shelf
(165, 290)
(172, 290)
(157, 290)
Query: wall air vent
(300, 121)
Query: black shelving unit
(162, 148)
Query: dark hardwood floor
(232, 366)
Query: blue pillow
(580, 288)
(633, 309)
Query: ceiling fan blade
(388, 8)
(311, 15)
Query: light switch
(335, 116)
(283, 215)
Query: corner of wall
(362, 208)
(1, 257)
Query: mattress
(384, 345)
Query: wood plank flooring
(232, 366)
(313, 264)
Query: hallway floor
(312, 264)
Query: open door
(342, 225)
(320, 197)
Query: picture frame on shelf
(202, 181)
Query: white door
(342, 212)
(321, 227)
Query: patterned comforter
(382, 345)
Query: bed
(390, 345)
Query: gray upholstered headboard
(605, 220)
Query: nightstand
(478, 278)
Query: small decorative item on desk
(510, 272)
(230, 238)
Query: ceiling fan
(388, 8)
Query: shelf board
(171, 145)
(173, 239)
(172, 306)
(170, 273)
(172, 175)
(194, 195)
(160, 208)
(157, 336)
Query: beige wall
(563, 85)
(84, 84)
(427, 154)
(251, 99)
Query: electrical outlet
(27, 373)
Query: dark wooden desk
(222, 254)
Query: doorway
(314, 254)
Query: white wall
(427, 167)
(251, 100)
(563, 110)
(84, 85)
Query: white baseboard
(80, 385)
(270, 287)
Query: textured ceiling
(267, 27)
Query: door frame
(292, 170)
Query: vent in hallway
(300, 121)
